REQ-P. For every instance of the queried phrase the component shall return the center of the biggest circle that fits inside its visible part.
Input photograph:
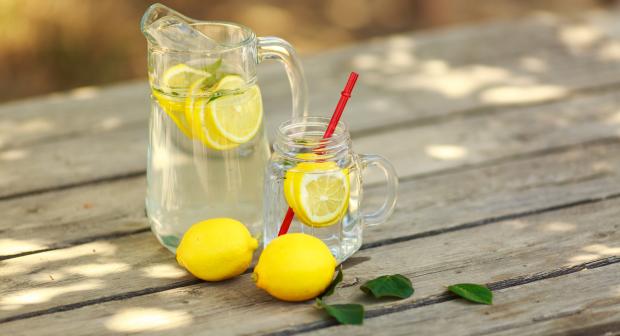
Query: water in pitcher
(190, 180)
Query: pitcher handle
(278, 49)
(391, 178)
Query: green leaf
(350, 313)
(332, 286)
(473, 292)
(395, 285)
(213, 67)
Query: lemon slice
(238, 117)
(175, 109)
(318, 192)
(181, 76)
(175, 83)
(204, 130)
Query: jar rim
(291, 135)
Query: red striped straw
(344, 97)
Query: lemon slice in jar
(318, 192)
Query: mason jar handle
(380, 215)
(275, 48)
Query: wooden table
(506, 137)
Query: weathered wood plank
(52, 220)
(405, 78)
(539, 47)
(413, 150)
(73, 114)
(586, 302)
(505, 250)
(426, 204)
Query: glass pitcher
(321, 180)
(207, 145)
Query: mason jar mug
(321, 181)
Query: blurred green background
(51, 45)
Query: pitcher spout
(166, 28)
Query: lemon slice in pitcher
(203, 130)
(236, 116)
(318, 192)
(197, 111)
(181, 76)
(175, 109)
(175, 84)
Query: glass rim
(225, 47)
(285, 138)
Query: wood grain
(514, 249)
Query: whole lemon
(216, 249)
(295, 267)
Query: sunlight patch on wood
(522, 94)
(96, 249)
(446, 152)
(579, 38)
(10, 246)
(147, 319)
(402, 42)
(164, 271)
(614, 119)
(581, 258)
(111, 123)
(595, 251)
(400, 59)
(13, 155)
(602, 249)
(435, 67)
(517, 224)
(559, 227)
(33, 125)
(83, 93)
(38, 295)
(96, 270)
(533, 64)
(453, 83)
(610, 51)
(366, 61)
